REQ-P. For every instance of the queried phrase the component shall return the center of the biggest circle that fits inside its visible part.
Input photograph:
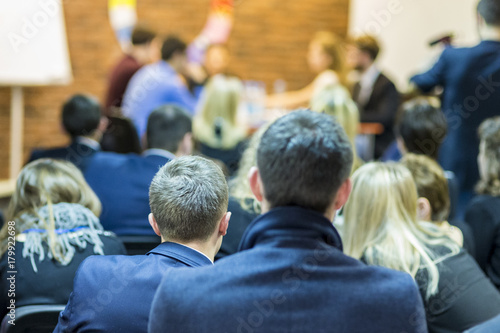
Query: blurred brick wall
(269, 41)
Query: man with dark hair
(470, 78)
(290, 274)
(158, 84)
(82, 121)
(188, 199)
(144, 49)
(121, 181)
(374, 93)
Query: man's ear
(186, 145)
(154, 225)
(424, 209)
(224, 224)
(343, 194)
(103, 124)
(256, 183)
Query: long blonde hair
(47, 182)
(381, 225)
(336, 101)
(219, 107)
(334, 47)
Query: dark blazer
(76, 153)
(471, 80)
(122, 184)
(240, 220)
(381, 107)
(114, 293)
(465, 296)
(290, 276)
(483, 217)
(53, 282)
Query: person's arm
(433, 77)
(291, 99)
(182, 97)
(385, 110)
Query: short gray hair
(188, 197)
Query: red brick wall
(269, 41)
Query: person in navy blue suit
(122, 181)
(290, 274)
(188, 198)
(81, 119)
(470, 78)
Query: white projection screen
(33, 43)
(405, 28)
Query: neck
(140, 54)
(174, 65)
(490, 33)
(329, 214)
(207, 248)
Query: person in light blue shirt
(158, 84)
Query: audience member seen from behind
(381, 228)
(295, 231)
(434, 202)
(82, 121)
(483, 213)
(188, 199)
(217, 126)
(54, 215)
(335, 101)
(122, 181)
(327, 60)
(420, 129)
(470, 95)
(159, 84)
(375, 94)
(144, 49)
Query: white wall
(405, 28)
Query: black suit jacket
(381, 107)
(76, 153)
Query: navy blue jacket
(471, 81)
(76, 153)
(114, 293)
(290, 276)
(122, 184)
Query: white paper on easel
(405, 28)
(33, 45)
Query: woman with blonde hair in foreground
(53, 226)
(381, 228)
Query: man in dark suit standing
(470, 78)
(188, 198)
(122, 181)
(81, 119)
(375, 94)
(290, 274)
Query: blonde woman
(327, 60)
(336, 101)
(483, 212)
(381, 228)
(217, 125)
(53, 226)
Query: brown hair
(141, 35)
(333, 46)
(489, 133)
(367, 44)
(431, 184)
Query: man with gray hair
(188, 199)
(290, 274)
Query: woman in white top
(326, 59)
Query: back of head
(367, 44)
(303, 158)
(431, 184)
(172, 45)
(166, 127)
(216, 124)
(188, 197)
(332, 45)
(81, 115)
(47, 181)
(490, 12)
(489, 157)
(422, 126)
(142, 36)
